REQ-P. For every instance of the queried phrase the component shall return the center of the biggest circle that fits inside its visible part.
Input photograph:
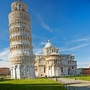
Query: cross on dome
(48, 44)
(48, 40)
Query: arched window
(72, 67)
(15, 8)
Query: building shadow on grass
(31, 87)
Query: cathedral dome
(48, 44)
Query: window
(61, 69)
(57, 51)
(72, 67)
(44, 69)
(15, 8)
(56, 60)
(49, 67)
(23, 10)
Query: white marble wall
(22, 71)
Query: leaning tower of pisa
(21, 50)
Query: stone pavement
(72, 84)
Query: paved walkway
(72, 84)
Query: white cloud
(82, 39)
(53, 38)
(4, 54)
(43, 43)
(4, 64)
(82, 67)
(77, 47)
(38, 50)
(83, 64)
(35, 36)
(44, 25)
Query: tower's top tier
(19, 6)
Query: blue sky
(65, 22)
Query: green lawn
(86, 77)
(30, 84)
(5, 77)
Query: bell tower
(21, 55)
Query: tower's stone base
(22, 71)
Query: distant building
(83, 71)
(52, 63)
(79, 71)
(4, 71)
(86, 71)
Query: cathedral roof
(48, 44)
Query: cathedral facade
(21, 50)
(51, 63)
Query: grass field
(86, 77)
(5, 77)
(30, 84)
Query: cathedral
(51, 63)
(24, 64)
